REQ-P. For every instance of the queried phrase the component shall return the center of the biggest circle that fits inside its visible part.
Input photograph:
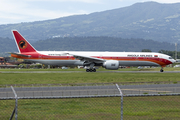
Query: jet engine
(111, 64)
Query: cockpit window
(170, 58)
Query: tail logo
(22, 44)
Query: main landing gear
(91, 70)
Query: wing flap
(87, 58)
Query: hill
(7, 45)
(101, 44)
(149, 20)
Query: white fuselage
(124, 58)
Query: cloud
(16, 11)
(168, 1)
(85, 1)
(159, 1)
(27, 11)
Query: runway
(75, 91)
(89, 72)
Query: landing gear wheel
(90, 70)
(87, 70)
(94, 70)
(161, 70)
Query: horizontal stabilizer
(20, 55)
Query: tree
(170, 53)
(146, 50)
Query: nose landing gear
(161, 69)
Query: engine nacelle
(111, 64)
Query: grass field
(83, 77)
(105, 108)
(138, 108)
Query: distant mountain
(7, 45)
(101, 44)
(149, 20)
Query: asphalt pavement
(76, 91)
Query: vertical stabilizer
(22, 44)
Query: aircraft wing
(20, 54)
(88, 58)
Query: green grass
(70, 109)
(108, 108)
(152, 108)
(84, 77)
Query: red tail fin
(22, 44)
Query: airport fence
(87, 103)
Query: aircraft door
(160, 57)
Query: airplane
(88, 59)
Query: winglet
(22, 44)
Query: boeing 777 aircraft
(108, 60)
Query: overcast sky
(17, 11)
